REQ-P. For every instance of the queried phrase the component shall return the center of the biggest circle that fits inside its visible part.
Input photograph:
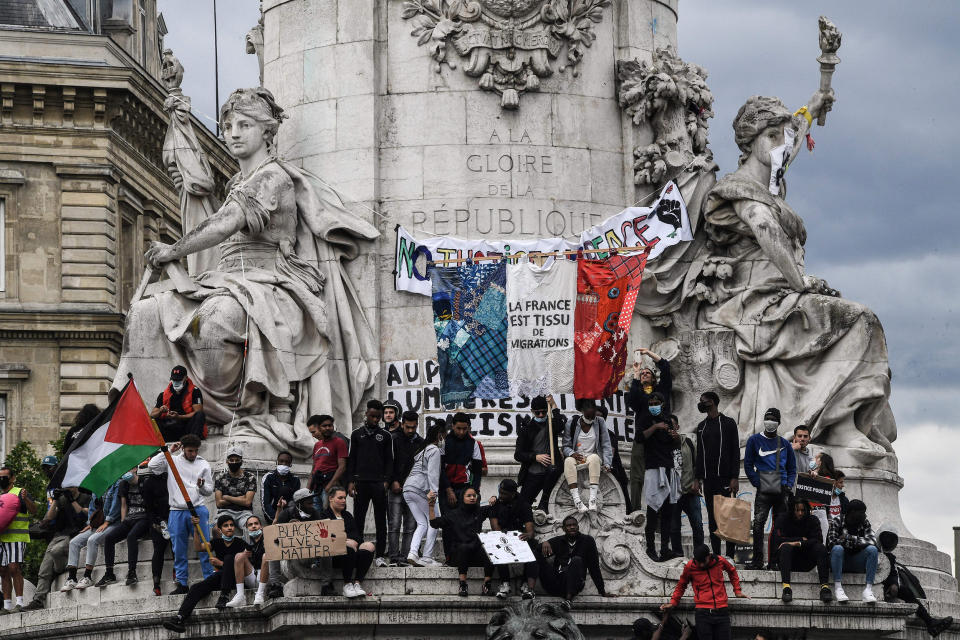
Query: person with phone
(645, 383)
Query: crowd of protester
(419, 486)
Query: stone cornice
(61, 324)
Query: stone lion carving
(532, 619)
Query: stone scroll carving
(509, 44)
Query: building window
(3, 425)
(3, 247)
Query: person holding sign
(356, 563)
(461, 526)
(586, 442)
(511, 513)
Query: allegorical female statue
(279, 308)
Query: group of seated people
(420, 485)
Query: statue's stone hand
(821, 102)
(159, 253)
(177, 178)
(813, 284)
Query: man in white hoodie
(198, 480)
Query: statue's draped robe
(280, 284)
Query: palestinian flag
(114, 442)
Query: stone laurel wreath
(509, 43)
(672, 98)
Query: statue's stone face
(244, 135)
(511, 8)
(770, 138)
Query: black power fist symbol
(668, 211)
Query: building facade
(83, 191)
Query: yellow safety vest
(19, 529)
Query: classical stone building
(83, 191)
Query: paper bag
(733, 519)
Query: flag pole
(176, 475)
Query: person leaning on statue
(179, 409)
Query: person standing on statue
(179, 409)
(537, 453)
(407, 443)
(771, 467)
(661, 486)
(718, 460)
(369, 468)
(684, 460)
(391, 415)
(645, 383)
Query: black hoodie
(461, 525)
(718, 449)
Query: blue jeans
(181, 529)
(864, 561)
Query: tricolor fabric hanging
(470, 320)
(540, 307)
(601, 340)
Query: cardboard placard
(816, 490)
(506, 547)
(304, 540)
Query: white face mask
(770, 426)
(283, 469)
(780, 159)
(303, 514)
(177, 386)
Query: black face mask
(234, 466)
(4, 482)
(703, 407)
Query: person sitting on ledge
(511, 513)
(224, 549)
(902, 586)
(461, 526)
(586, 441)
(853, 547)
(234, 488)
(575, 554)
(356, 563)
(798, 536)
(537, 451)
(179, 409)
(669, 629)
(250, 569)
(705, 573)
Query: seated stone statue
(278, 310)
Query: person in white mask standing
(771, 467)
(179, 409)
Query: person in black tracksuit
(575, 555)
(461, 526)
(798, 544)
(718, 460)
(537, 474)
(224, 550)
(369, 467)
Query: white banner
(660, 226)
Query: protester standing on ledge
(369, 467)
(329, 458)
(718, 460)
(644, 384)
(689, 502)
(406, 444)
(13, 541)
(538, 453)
(705, 573)
(422, 484)
(661, 486)
(179, 409)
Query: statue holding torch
(828, 59)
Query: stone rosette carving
(508, 44)
(670, 97)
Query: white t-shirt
(540, 303)
(587, 442)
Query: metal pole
(216, 68)
(956, 553)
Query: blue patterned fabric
(470, 321)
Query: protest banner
(304, 540)
(506, 547)
(816, 490)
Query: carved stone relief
(508, 44)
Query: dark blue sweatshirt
(761, 455)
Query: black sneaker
(325, 590)
(754, 566)
(939, 626)
(34, 605)
(787, 595)
(486, 589)
(276, 591)
(107, 579)
(652, 554)
(826, 595)
(131, 579)
(526, 592)
(175, 624)
(222, 601)
(463, 589)
(180, 589)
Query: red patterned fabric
(631, 266)
(601, 294)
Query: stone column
(431, 150)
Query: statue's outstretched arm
(774, 242)
(209, 233)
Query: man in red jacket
(705, 572)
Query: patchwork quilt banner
(601, 342)
(470, 320)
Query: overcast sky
(873, 195)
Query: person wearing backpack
(771, 467)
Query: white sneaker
(413, 559)
(868, 595)
(84, 583)
(578, 504)
(164, 531)
(839, 594)
(68, 586)
(592, 505)
(348, 591)
(358, 590)
(381, 562)
(429, 562)
(257, 599)
(238, 600)
(504, 590)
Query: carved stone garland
(508, 44)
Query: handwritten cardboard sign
(816, 490)
(304, 540)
